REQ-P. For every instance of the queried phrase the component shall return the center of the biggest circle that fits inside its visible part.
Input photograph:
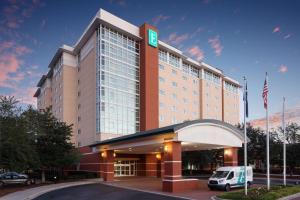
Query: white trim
(178, 180)
(172, 161)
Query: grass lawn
(261, 193)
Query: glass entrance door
(125, 168)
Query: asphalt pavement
(101, 191)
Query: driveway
(100, 191)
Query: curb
(293, 196)
(216, 198)
(13, 196)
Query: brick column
(108, 165)
(160, 165)
(148, 81)
(151, 165)
(231, 156)
(172, 165)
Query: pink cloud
(216, 45)
(20, 50)
(283, 69)
(157, 19)
(25, 95)
(177, 39)
(9, 64)
(276, 29)
(198, 30)
(196, 52)
(6, 45)
(15, 12)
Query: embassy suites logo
(152, 38)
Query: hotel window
(173, 108)
(162, 92)
(161, 105)
(161, 67)
(185, 68)
(194, 71)
(195, 92)
(161, 118)
(195, 81)
(230, 87)
(79, 118)
(163, 56)
(161, 79)
(184, 100)
(174, 60)
(117, 83)
(174, 96)
(184, 78)
(174, 72)
(174, 84)
(184, 88)
(174, 121)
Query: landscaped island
(261, 193)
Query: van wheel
(227, 187)
(28, 182)
(248, 185)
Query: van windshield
(220, 174)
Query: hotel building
(119, 81)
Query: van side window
(230, 176)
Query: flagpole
(245, 137)
(284, 144)
(268, 143)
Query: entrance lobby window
(125, 168)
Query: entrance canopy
(194, 135)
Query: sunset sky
(242, 38)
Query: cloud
(13, 13)
(20, 50)
(196, 52)
(283, 69)
(157, 19)
(198, 30)
(10, 63)
(24, 95)
(118, 2)
(182, 18)
(276, 29)
(177, 39)
(287, 36)
(216, 45)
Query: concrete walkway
(37, 191)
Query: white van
(230, 177)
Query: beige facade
(188, 89)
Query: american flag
(265, 93)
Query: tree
(33, 139)
(15, 150)
(51, 139)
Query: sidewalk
(37, 191)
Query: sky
(242, 38)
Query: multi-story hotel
(119, 79)
(110, 83)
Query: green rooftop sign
(152, 38)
